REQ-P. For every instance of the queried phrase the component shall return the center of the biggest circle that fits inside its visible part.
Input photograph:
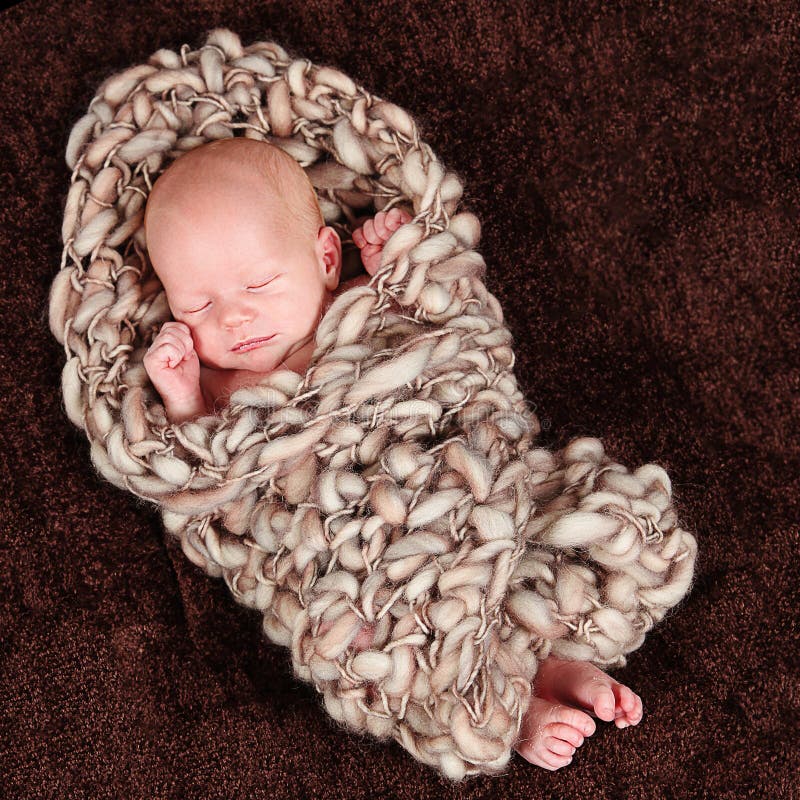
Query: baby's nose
(234, 315)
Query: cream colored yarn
(396, 483)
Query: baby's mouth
(251, 344)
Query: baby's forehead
(236, 179)
(224, 179)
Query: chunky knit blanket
(396, 485)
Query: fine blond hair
(284, 179)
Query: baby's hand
(372, 235)
(174, 368)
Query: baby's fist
(373, 234)
(172, 363)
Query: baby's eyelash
(263, 283)
(253, 286)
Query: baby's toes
(603, 702)
(541, 755)
(567, 733)
(558, 746)
(629, 707)
(549, 760)
(580, 722)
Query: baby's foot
(551, 733)
(582, 685)
(556, 721)
(373, 234)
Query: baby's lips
(253, 340)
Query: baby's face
(250, 288)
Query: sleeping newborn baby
(235, 234)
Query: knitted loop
(393, 488)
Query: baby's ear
(329, 250)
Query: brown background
(636, 172)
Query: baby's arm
(174, 368)
(373, 234)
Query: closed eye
(197, 310)
(263, 283)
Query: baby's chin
(254, 361)
(248, 363)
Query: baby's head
(236, 236)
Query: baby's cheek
(203, 343)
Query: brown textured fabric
(637, 178)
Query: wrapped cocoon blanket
(395, 486)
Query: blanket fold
(395, 487)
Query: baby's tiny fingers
(371, 251)
(381, 228)
(175, 327)
(370, 234)
(185, 335)
(358, 238)
(167, 353)
(387, 222)
(170, 337)
(371, 258)
(181, 330)
(396, 218)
